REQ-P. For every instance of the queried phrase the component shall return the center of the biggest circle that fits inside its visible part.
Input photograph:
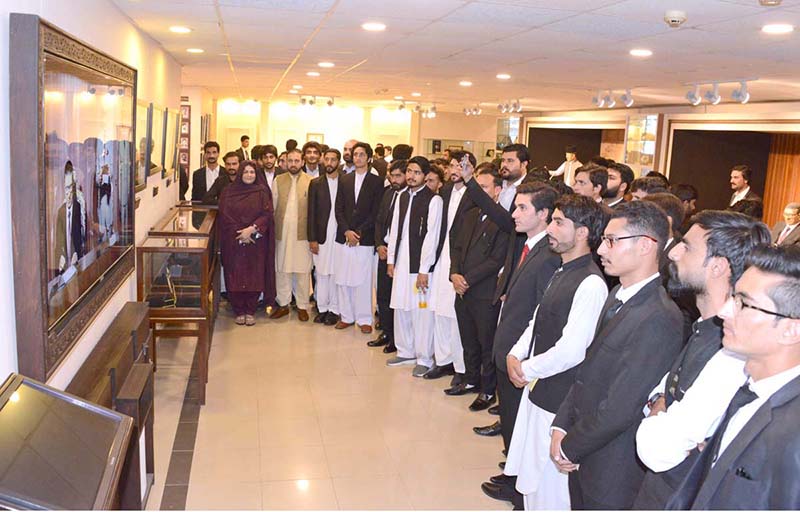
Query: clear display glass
(173, 278)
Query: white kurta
(292, 256)
(443, 295)
(325, 261)
(354, 264)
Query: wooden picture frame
(56, 300)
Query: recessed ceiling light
(465, 83)
(641, 52)
(398, 97)
(416, 94)
(503, 76)
(195, 50)
(294, 91)
(297, 87)
(373, 26)
(326, 64)
(312, 73)
(777, 28)
(177, 29)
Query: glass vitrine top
(186, 221)
(175, 242)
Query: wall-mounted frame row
(157, 148)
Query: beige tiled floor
(301, 416)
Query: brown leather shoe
(279, 312)
(302, 315)
(342, 325)
(365, 329)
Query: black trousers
(508, 397)
(384, 297)
(579, 501)
(477, 321)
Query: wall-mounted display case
(641, 142)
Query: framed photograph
(143, 145)
(185, 112)
(436, 146)
(172, 127)
(157, 129)
(73, 119)
(185, 128)
(316, 137)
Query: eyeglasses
(740, 304)
(611, 240)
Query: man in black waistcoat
(637, 339)
(707, 262)
(545, 359)
(476, 257)
(397, 185)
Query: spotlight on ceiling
(467, 111)
(433, 109)
(477, 110)
(627, 98)
(417, 108)
(303, 101)
(713, 96)
(770, 3)
(609, 100)
(693, 96)
(777, 29)
(330, 102)
(500, 108)
(312, 73)
(432, 112)
(742, 95)
(401, 106)
(313, 100)
(92, 90)
(518, 107)
(598, 100)
(507, 107)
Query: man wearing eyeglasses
(707, 262)
(751, 461)
(638, 336)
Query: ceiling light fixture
(195, 50)
(401, 106)
(313, 100)
(770, 3)
(177, 29)
(598, 100)
(398, 98)
(294, 91)
(312, 73)
(330, 102)
(326, 64)
(777, 29)
(465, 83)
(742, 95)
(609, 100)
(694, 96)
(373, 26)
(298, 87)
(503, 76)
(416, 94)
(417, 108)
(713, 96)
(627, 98)
(641, 52)
(303, 101)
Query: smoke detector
(675, 18)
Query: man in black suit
(243, 151)
(231, 161)
(751, 461)
(637, 339)
(312, 153)
(620, 177)
(477, 254)
(740, 184)
(205, 176)
(357, 204)
(383, 221)
(379, 163)
(786, 232)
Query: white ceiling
(559, 52)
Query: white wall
(100, 24)
(449, 125)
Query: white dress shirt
(567, 169)
(509, 192)
(211, 176)
(738, 196)
(624, 294)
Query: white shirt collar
(740, 195)
(506, 184)
(615, 202)
(624, 294)
(767, 387)
(531, 242)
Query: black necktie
(684, 497)
(612, 310)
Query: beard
(611, 193)
(329, 170)
(678, 288)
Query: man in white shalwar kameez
(414, 236)
(567, 316)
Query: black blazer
(383, 221)
(792, 239)
(359, 217)
(199, 185)
(478, 254)
(603, 409)
(380, 165)
(750, 196)
(466, 204)
(319, 209)
(240, 154)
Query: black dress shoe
(461, 389)
(501, 465)
(488, 431)
(495, 410)
(320, 318)
(438, 372)
(380, 341)
(458, 378)
(390, 348)
(503, 479)
(331, 318)
(482, 402)
(498, 492)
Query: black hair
(380, 152)
(520, 149)
(402, 152)
(597, 175)
(398, 164)
(600, 161)
(625, 174)
(785, 261)
(422, 162)
(295, 150)
(487, 165)
(497, 180)
(312, 144)
(208, 145)
(539, 174)
(684, 191)
(541, 195)
(648, 184)
(244, 138)
(751, 207)
(562, 188)
(334, 151)
(269, 149)
(290, 144)
(645, 218)
(458, 155)
(671, 205)
(584, 212)
(745, 170)
(657, 175)
(438, 171)
(732, 236)
(365, 146)
(256, 153)
(230, 154)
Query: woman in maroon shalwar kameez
(247, 242)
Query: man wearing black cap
(567, 169)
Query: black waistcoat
(417, 225)
(705, 341)
(548, 393)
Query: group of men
(638, 360)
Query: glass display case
(59, 451)
(641, 142)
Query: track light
(627, 98)
(330, 102)
(417, 108)
(742, 95)
(303, 101)
(598, 100)
(313, 100)
(433, 109)
(401, 106)
(713, 96)
(694, 96)
(609, 100)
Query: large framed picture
(157, 130)
(73, 120)
(172, 121)
(143, 145)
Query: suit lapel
(530, 257)
(793, 237)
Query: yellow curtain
(783, 176)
